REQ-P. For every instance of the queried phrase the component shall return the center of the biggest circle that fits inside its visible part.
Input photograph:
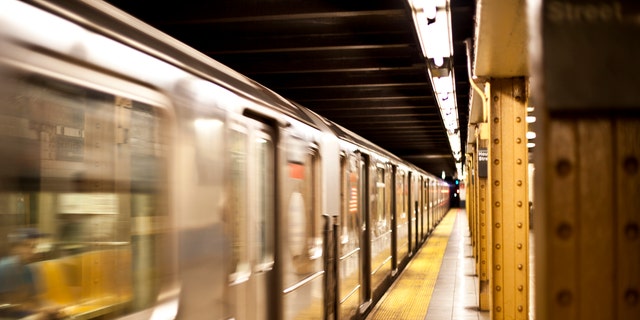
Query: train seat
(86, 285)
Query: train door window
(402, 217)
(237, 216)
(350, 228)
(380, 228)
(82, 181)
(264, 190)
(303, 264)
(381, 222)
(350, 222)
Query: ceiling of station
(358, 63)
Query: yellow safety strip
(409, 296)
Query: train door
(411, 213)
(417, 211)
(365, 236)
(250, 218)
(379, 224)
(434, 209)
(427, 203)
(418, 202)
(425, 208)
(350, 259)
(402, 216)
(300, 229)
(394, 220)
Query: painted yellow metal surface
(591, 263)
(508, 175)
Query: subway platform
(440, 282)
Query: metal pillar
(484, 221)
(592, 197)
(508, 175)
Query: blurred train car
(139, 179)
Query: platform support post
(590, 256)
(472, 214)
(484, 218)
(508, 184)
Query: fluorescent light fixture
(432, 20)
(531, 119)
(531, 135)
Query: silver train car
(139, 179)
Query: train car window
(83, 203)
(350, 219)
(350, 237)
(402, 233)
(265, 194)
(305, 227)
(237, 217)
(381, 223)
(303, 264)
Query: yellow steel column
(508, 177)
(484, 222)
(592, 196)
(627, 163)
(471, 200)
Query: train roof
(112, 22)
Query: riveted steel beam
(507, 182)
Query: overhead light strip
(432, 20)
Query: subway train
(140, 179)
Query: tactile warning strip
(410, 295)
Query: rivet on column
(563, 167)
(630, 165)
(631, 231)
(564, 298)
(631, 297)
(564, 231)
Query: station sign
(590, 54)
(483, 157)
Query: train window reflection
(381, 224)
(81, 204)
(265, 188)
(305, 227)
(238, 206)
